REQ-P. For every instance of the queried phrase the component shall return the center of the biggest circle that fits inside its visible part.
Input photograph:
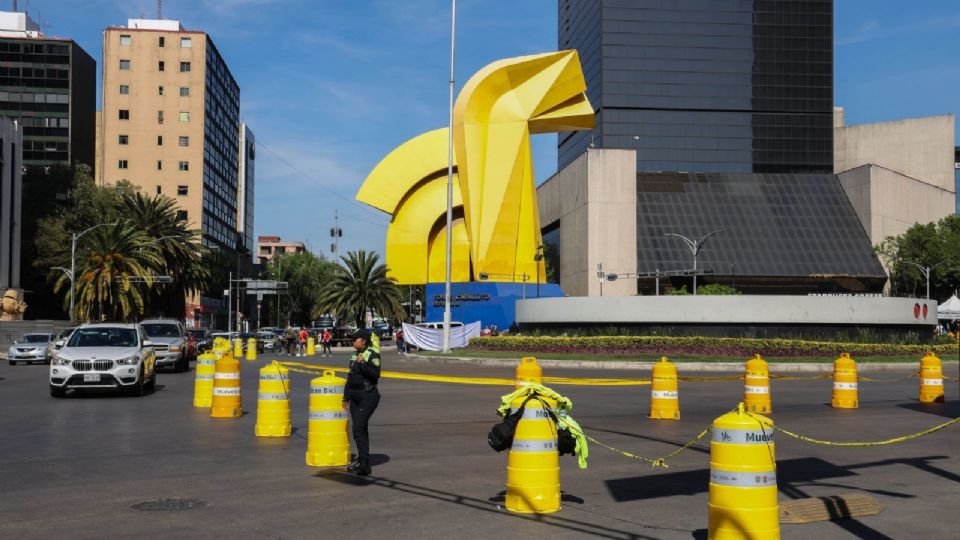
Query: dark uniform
(363, 397)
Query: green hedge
(697, 345)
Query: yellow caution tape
(872, 379)
(804, 438)
(949, 378)
(595, 382)
(314, 368)
(714, 378)
(654, 462)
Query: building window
(184, 67)
(184, 141)
(123, 139)
(159, 190)
(122, 164)
(159, 117)
(163, 41)
(124, 89)
(159, 165)
(124, 64)
(125, 40)
(184, 165)
(159, 140)
(181, 215)
(182, 190)
(124, 114)
(184, 91)
(161, 65)
(184, 116)
(185, 43)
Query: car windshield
(64, 333)
(196, 333)
(34, 338)
(161, 330)
(103, 337)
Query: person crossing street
(361, 397)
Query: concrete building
(269, 247)
(49, 86)
(956, 174)
(171, 124)
(11, 195)
(898, 173)
(245, 184)
(732, 87)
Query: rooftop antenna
(14, 6)
(159, 9)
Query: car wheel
(137, 389)
(183, 364)
(13, 362)
(152, 384)
(57, 392)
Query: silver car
(62, 336)
(29, 348)
(169, 342)
(117, 356)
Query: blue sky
(331, 86)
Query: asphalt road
(74, 467)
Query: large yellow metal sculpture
(499, 230)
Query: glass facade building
(220, 153)
(739, 86)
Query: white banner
(431, 339)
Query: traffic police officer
(362, 397)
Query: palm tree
(115, 259)
(360, 283)
(182, 255)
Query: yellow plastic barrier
(664, 397)
(203, 380)
(756, 386)
(529, 372)
(273, 402)
(238, 348)
(226, 401)
(311, 346)
(533, 466)
(743, 478)
(844, 383)
(327, 442)
(931, 379)
(251, 349)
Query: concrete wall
(797, 310)
(921, 148)
(594, 199)
(889, 203)
(11, 330)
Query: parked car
(29, 348)
(106, 355)
(245, 336)
(169, 342)
(383, 329)
(202, 337)
(268, 338)
(60, 337)
(439, 325)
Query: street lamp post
(926, 272)
(73, 260)
(537, 258)
(449, 242)
(695, 247)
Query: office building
(739, 86)
(897, 174)
(245, 182)
(956, 173)
(49, 86)
(171, 124)
(269, 247)
(11, 196)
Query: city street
(76, 467)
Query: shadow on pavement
(695, 448)
(950, 409)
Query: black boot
(362, 468)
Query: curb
(786, 367)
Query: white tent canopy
(949, 309)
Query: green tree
(716, 289)
(927, 244)
(306, 275)
(107, 287)
(359, 284)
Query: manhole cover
(829, 508)
(169, 505)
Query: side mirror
(60, 343)
(148, 343)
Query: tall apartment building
(245, 186)
(738, 86)
(11, 197)
(171, 124)
(49, 86)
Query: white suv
(117, 356)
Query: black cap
(361, 333)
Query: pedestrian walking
(401, 345)
(361, 397)
(302, 342)
(326, 339)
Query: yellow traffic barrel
(273, 402)
(226, 389)
(931, 379)
(743, 478)
(756, 386)
(203, 380)
(533, 466)
(664, 396)
(311, 346)
(327, 442)
(528, 372)
(252, 349)
(844, 383)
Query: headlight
(57, 361)
(175, 348)
(132, 361)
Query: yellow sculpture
(499, 230)
(13, 307)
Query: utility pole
(336, 232)
(159, 9)
(229, 303)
